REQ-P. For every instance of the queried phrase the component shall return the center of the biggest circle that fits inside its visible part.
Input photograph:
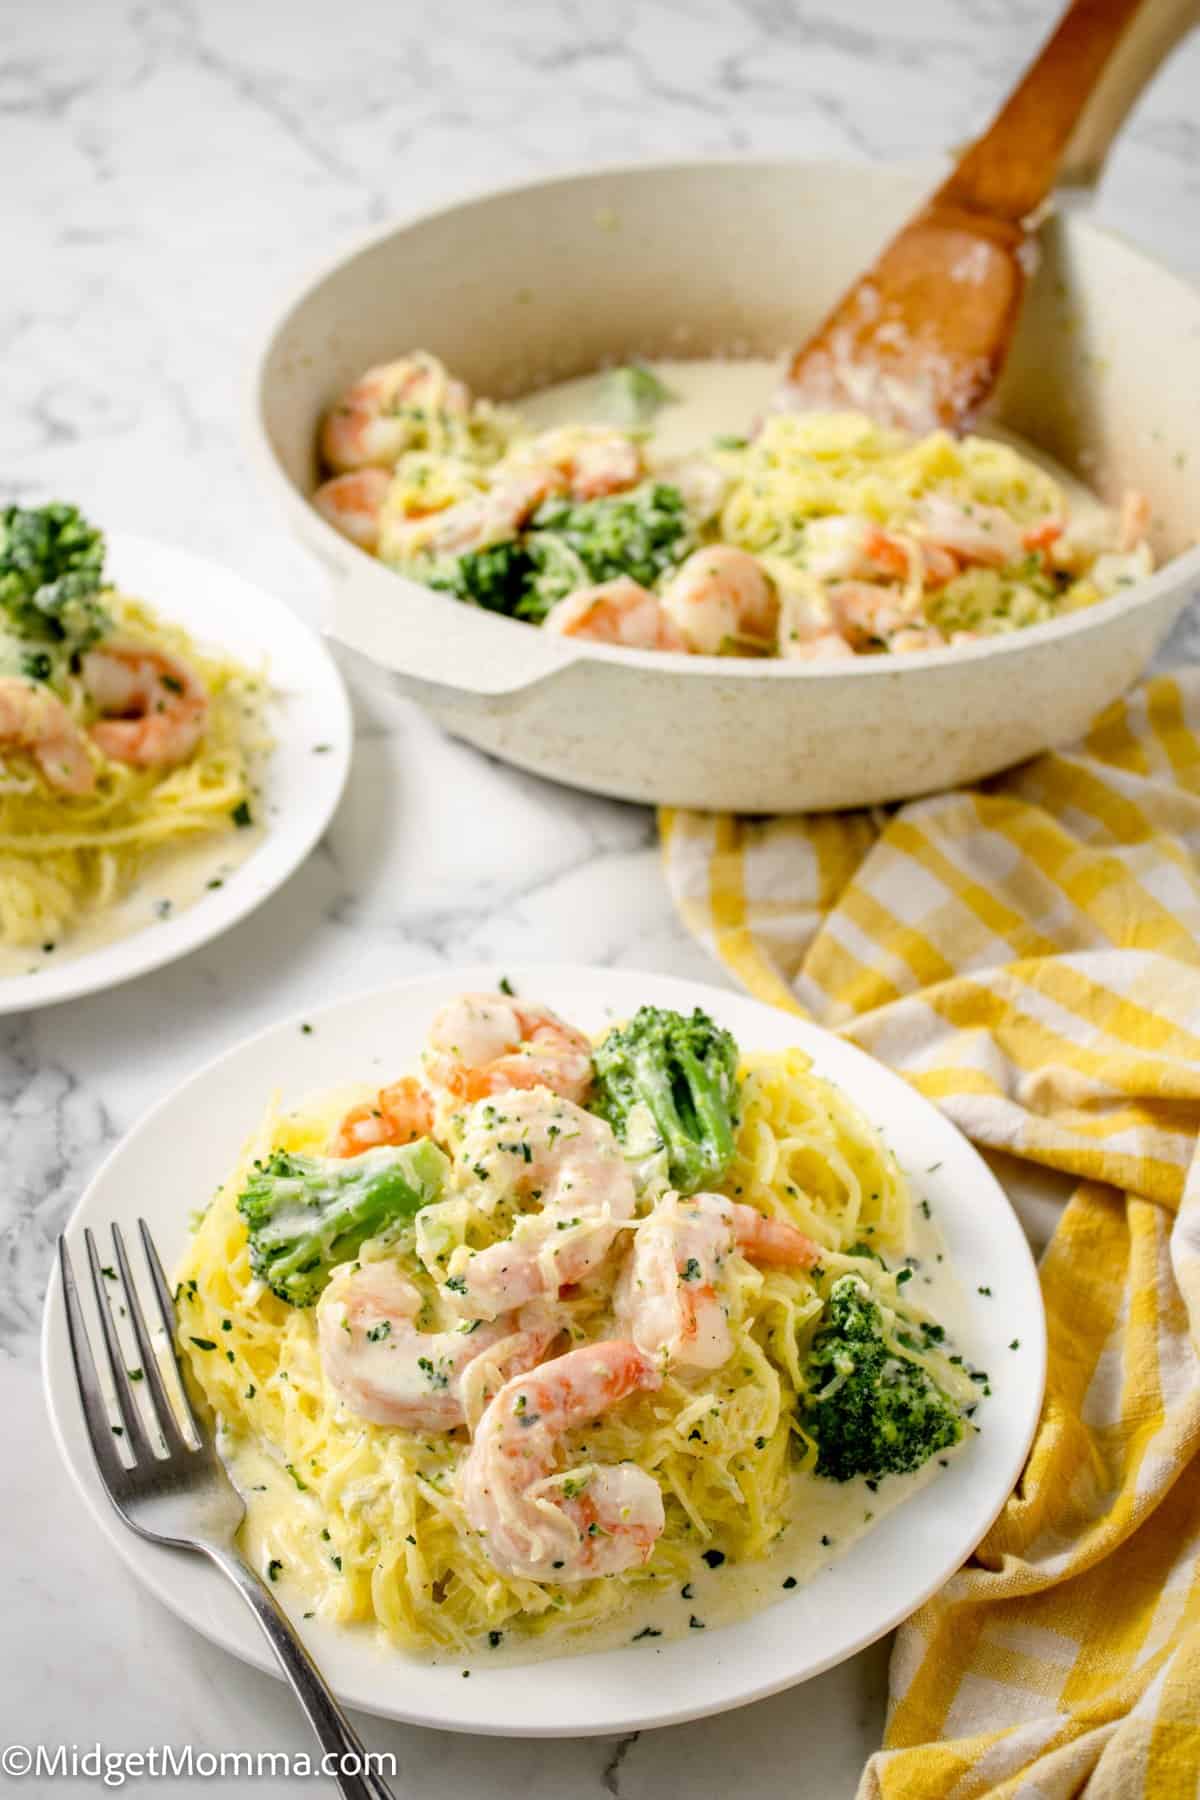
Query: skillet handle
(443, 652)
(1144, 46)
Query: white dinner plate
(301, 784)
(195, 1136)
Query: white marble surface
(165, 172)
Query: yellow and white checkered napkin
(1028, 955)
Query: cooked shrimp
(616, 612)
(373, 422)
(537, 1145)
(352, 504)
(972, 532)
(588, 460)
(483, 519)
(388, 1371)
(865, 614)
(483, 1044)
(702, 486)
(34, 719)
(922, 637)
(155, 707)
(668, 1298)
(399, 1114)
(827, 646)
(849, 547)
(592, 1520)
(1134, 519)
(720, 595)
(902, 557)
(1043, 536)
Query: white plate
(300, 786)
(196, 1134)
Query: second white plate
(308, 718)
(196, 1133)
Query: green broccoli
(307, 1214)
(633, 395)
(496, 578)
(684, 1073)
(872, 1410)
(641, 534)
(569, 545)
(51, 574)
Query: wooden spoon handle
(1009, 171)
(1142, 49)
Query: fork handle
(336, 1734)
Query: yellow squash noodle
(368, 1519)
(63, 856)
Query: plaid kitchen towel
(1027, 954)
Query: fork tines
(114, 1286)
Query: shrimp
(155, 707)
(482, 1044)
(1042, 537)
(352, 504)
(901, 557)
(588, 461)
(536, 1145)
(1134, 519)
(864, 614)
(34, 719)
(483, 519)
(719, 595)
(388, 1371)
(849, 547)
(615, 612)
(973, 533)
(702, 486)
(667, 1298)
(399, 1114)
(592, 1520)
(373, 422)
(923, 637)
(825, 646)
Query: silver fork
(177, 1491)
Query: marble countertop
(168, 169)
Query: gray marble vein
(167, 168)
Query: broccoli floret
(496, 578)
(642, 534)
(684, 1072)
(873, 1410)
(51, 572)
(307, 1214)
(632, 396)
(569, 545)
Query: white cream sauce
(827, 1517)
(170, 881)
(714, 398)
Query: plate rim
(209, 917)
(149, 1563)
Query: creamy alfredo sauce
(170, 881)
(714, 398)
(285, 1523)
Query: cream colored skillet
(524, 287)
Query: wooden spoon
(920, 339)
